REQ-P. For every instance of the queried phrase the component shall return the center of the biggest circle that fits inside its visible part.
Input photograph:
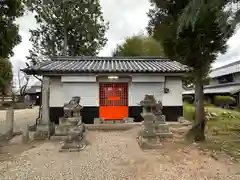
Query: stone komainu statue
(73, 108)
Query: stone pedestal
(25, 135)
(75, 139)
(154, 129)
(74, 133)
(71, 127)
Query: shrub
(188, 112)
(188, 99)
(224, 101)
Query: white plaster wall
(137, 91)
(56, 93)
(174, 97)
(62, 92)
(213, 81)
(82, 78)
(147, 78)
(236, 77)
(88, 91)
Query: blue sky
(126, 18)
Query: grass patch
(223, 131)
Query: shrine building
(112, 87)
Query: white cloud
(126, 18)
(233, 52)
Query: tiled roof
(225, 70)
(107, 65)
(231, 88)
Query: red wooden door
(113, 100)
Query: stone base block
(128, 120)
(98, 120)
(149, 143)
(162, 128)
(43, 127)
(161, 118)
(152, 134)
(43, 131)
(165, 135)
(73, 146)
(154, 125)
(109, 122)
(118, 122)
(103, 121)
(40, 135)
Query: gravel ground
(116, 156)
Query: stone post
(9, 122)
(43, 127)
(25, 135)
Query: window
(225, 79)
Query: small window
(225, 79)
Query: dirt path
(116, 156)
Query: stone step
(112, 127)
(118, 121)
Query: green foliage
(188, 112)
(6, 75)
(188, 99)
(225, 8)
(9, 37)
(223, 130)
(139, 45)
(224, 100)
(196, 47)
(80, 22)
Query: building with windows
(224, 80)
(112, 87)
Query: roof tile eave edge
(116, 58)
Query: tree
(139, 46)
(9, 37)
(22, 84)
(196, 47)
(5, 76)
(191, 13)
(67, 27)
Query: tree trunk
(65, 41)
(2, 97)
(196, 133)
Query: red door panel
(113, 101)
